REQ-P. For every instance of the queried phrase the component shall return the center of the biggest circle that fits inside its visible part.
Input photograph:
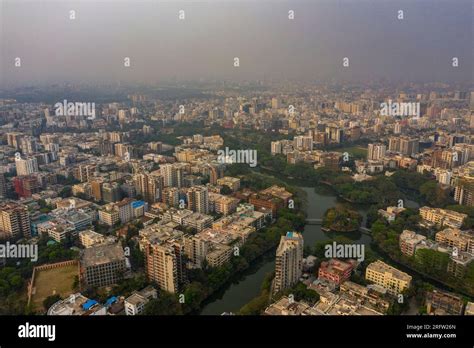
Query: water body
(247, 286)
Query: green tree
(50, 300)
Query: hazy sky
(92, 47)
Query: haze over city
(166, 161)
(91, 48)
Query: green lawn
(355, 151)
(51, 282)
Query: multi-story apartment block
(464, 190)
(443, 303)
(408, 242)
(26, 166)
(103, 265)
(335, 271)
(14, 221)
(232, 183)
(376, 151)
(289, 261)
(164, 263)
(442, 217)
(455, 238)
(392, 279)
(135, 303)
(198, 199)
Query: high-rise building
(3, 186)
(26, 166)
(289, 261)
(303, 143)
(442, 217)
(334, 134)
(276, 147)
(464, 190)
(198, 199)
(14, 140)
(397, 129)
(111, 192)
(443, 303)
(405, 145)
(171, 196)
(150, 186)
(376, 151)
(29, 145)
(14, 221)
(394, 144)
(275, 103)
(84, 172)
(409, 146)
(164, 264)
(196, 250)
(215, 173)
(96, 188)
(455, 238)
(172, 174)
(25, 186)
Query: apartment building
(335, 271)
(14, 221)
(464, 190)
(232, 183)
(109, 216)
(455, 238)
(289, 261)
(443, 303)
(408, 242)
(26, 166)
(103, 265)
(392, 279)
(135, 303)
(164, 264)
(442, 217)
(196, 249)
(218, 255)
(89, 238)
(114, 213)
(198, 199)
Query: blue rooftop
(88, 304)
(110, 301)
(137, 204)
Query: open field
(53, 281)
(355, 151)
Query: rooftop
(102, 254)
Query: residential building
(14, 221)
(335, 271)
(442, 217)
(103, 265)
(408, 242)
(289, 261)
(392, 279)
(443, 303)
(135, 303)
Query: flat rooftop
(102, 254)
